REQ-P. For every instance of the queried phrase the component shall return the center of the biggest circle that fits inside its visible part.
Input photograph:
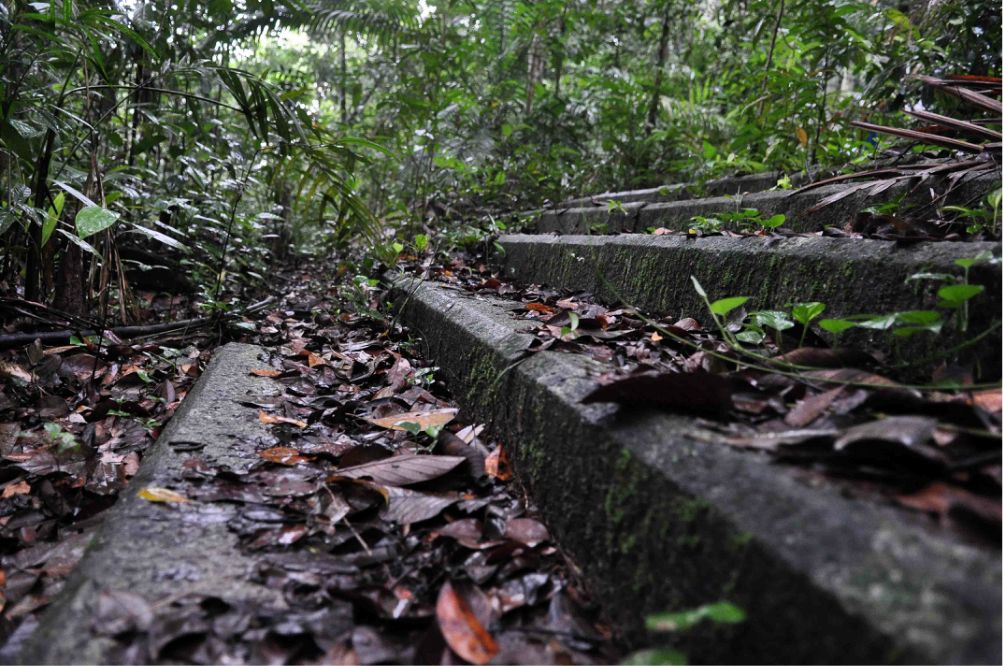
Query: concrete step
(851, 276)
(164, 551)
(662, 521)
(640, 212)
(719, 187)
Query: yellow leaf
(161, 495)
(655, 337)
(802, 137)
(423, 419)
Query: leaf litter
(847, 423)
(392, 528)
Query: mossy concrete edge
(658, 521)
(850, 276)
(640, 215)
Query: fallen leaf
(268, 418)
(497, 465)
(527, 531)
(811, 408)
(540, 307)
(909, 431)
(819, 357)
(410, 506)
(990, 400)
(283, 455)
(423, 419)
(403, 470)
(943, 499)
(19, 488)
(161, 495)
(463, 632)
(698, 391)
(265, 372)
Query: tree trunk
(344, 82)
(663, 53)
(559, 54)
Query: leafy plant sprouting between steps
(747, 219)
(752, 327)
(680, 622)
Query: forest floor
(458, 560)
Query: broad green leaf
(421, 242)
(726, 305)
(879, 322)
(574, 320)
(774, 221)
(776, 319)
(918, 317)
(960, 293)
(722, 611)
(805, 312)
(92, 219)
(836, 326)
(80, 196)
(162, 238)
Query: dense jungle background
(186, 147)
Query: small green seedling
(722, 612)
(803, 313)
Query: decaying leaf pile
(393, 532)
(74, 423)
(831, 414)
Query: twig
(55, 337)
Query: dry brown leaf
(402, 470)
(19, 488)
(462, 630)
(265, 372)
(268, 418)
(497, 464)
(423, 419)
(283, 455)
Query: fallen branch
(57, 337)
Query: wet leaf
(698, 391)
(265, 372)
(426, 419)
(283, 455)
(497, 465)
(811, 408)
(268, 418)
(943, 499)
(526, 530)
(462, 630)
(409, 506)
(820, 357)
(161, 495)
(403, 470)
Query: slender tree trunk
(559, 55)
(769, 57)
(663, 54)
(344, 81)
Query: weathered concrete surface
(159, 551)
(658, 521)
(851, 276)
(727, 186)
(639, 216)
